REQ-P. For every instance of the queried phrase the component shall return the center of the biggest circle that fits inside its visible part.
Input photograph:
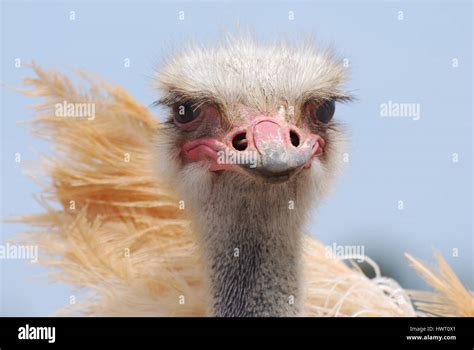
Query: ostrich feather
(451, 299)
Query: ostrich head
(250, 143)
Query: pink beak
(279, 149)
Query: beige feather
(451, 299)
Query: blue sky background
(391, 159)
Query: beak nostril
(295, 138)
(240, 141)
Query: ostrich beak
(283, 149)
(268, 148)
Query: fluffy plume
(451, 299)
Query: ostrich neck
(251, 239)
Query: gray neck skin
(252, 246)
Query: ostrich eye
(326, 111)
(322, 113)
(185, 113)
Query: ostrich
(271, 106)
(118, 234)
